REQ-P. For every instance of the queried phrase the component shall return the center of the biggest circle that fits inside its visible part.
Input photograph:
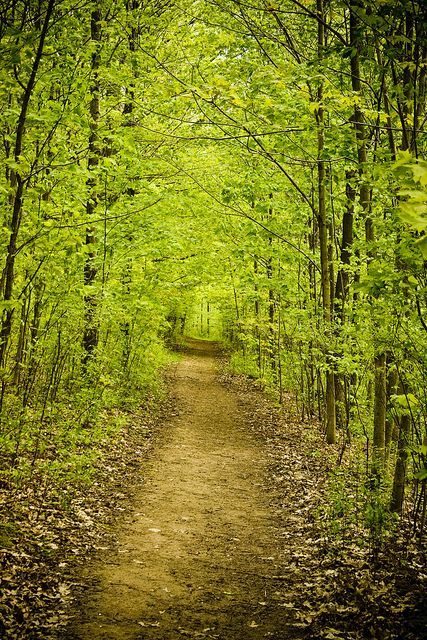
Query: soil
(200, 553)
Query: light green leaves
(413, 206)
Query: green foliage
(413, 208)
(421, 474)
(195, 187)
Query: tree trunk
(17, 183)
(392, 381)
(323, 237)
(380, 403)
(257, 317)
(360, 124)
(271, 314)
(271, 297)
(91, 329)
(398, 490)
(342, 286)
(399, 478)
(342, 281)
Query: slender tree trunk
(392, 381)
(342, 287)
(34, 335)
(271, 297)
(91, 301)
(399, 478)
(271, 314)
(208, 319)
(125, 324)
(257, 317)
(313, 391)
(380, 387)
(322, 224)
(360, 125)
(22, 339)
(380, 403)
(17, 183)
(279, 349)
(342, 281)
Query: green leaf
(410, 214)
(422, 244)
(422, 474)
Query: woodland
(247, 171)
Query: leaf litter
(325, 582)
(333, 584)
(49, 532)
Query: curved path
(199, 557)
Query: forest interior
(213, 301)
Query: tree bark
(392, 381)
(322, 224)
(360, 124)
(257, 317)
(271, 298)
(91, 329)
(17, 182)
(342, 287)
(399, 478)
(342, 281)
(380, 403)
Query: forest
(250, 172)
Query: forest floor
(202, 553)
(216, 529)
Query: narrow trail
(200, 554)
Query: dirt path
(200, 556)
